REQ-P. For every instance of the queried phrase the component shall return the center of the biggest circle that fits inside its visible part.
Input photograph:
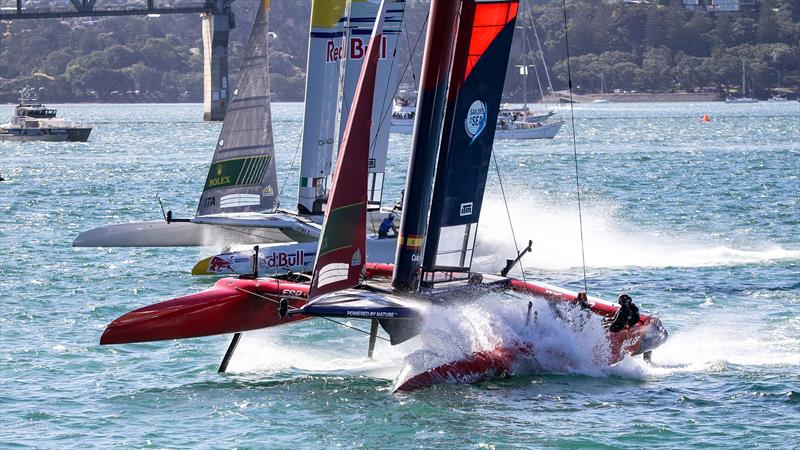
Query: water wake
(726, 339)
(270, 351)
(609, 241)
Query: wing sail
(476, 86)
(342, 247)
(322, 96)
(242, 175)
(359, 28)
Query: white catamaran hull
(278, 259)
(281, 257)
(546, 131)
(402, 126)
(220, 229)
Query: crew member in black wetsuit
(627, 314)
(583, 300)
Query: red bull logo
(217, 264)
(358, 48)
(333, 53)
(282, 260)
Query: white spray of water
(722, 339)
(272, 351)
(563, 339)
(568, 344)
(610, 241)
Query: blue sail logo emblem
(475, 122)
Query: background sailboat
(743, 98)
(239, 204)
(522, 123)
(240, 194)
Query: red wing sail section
(489, 21)
(342, 246)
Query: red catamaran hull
(231, 305)
(236, 304)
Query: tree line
(648, 47)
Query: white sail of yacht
(360, 23)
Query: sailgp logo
(466, 209)
(475, 122)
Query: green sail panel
(242, 175)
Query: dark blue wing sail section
(483, 43)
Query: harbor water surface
(698, 221)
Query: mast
(744, 81)
(439, 44)
(325, 52)
(524, 63)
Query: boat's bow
(231, 305)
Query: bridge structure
(217, 22)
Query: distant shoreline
(637, 97)
(578, 98)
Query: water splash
(714, 343)
(272, 351)
(563, 339)
(609, 242)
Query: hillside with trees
(648, 47)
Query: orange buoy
(706, 118)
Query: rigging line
(291, 166)
(574, 145)
(541, 54)
(408, 46)
(508, 212)
(255, 294)
(410, 62)
(385, 93)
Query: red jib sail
(342, 247)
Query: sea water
(698, 221)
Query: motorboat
(33, 121)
